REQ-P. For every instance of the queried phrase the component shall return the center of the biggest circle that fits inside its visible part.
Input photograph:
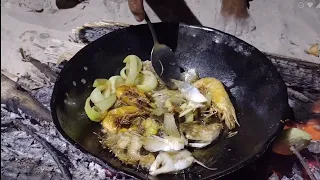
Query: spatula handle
(154, 36)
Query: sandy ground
(283, 27)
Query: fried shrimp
(220, 101)
(127, 148)
(133, 96)
(120, 116)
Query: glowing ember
(312, 127)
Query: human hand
(137, 9)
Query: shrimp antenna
(201, 164)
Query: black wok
(255, 87)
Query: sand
(282, 26)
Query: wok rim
(225, 172)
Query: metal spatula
(165, 64)
(163, 60)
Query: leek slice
(116, 81)
(134, 66)
(139, 62)
(106, 103)
(149, 81)
(96, 95)
(123, 73)
(99, 82)
(107, 92)
(93, 113)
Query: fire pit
(31, 148)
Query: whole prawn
(220, 101)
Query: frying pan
(255, 87)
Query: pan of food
(109, 102)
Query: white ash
(296, 177)
(314, 147)
(22, 157)
(295, 170)
(43, 95)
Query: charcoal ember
(274, 176)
